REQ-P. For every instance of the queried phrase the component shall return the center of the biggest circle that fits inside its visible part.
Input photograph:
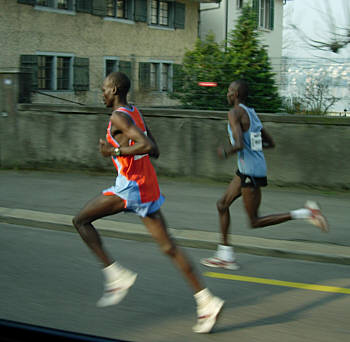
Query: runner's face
(108, 92)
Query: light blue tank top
(251, 160)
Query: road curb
(187, 238)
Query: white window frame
(158, 26)
(54, 70)
(263, 23)
(121, 20)
(160, 76)
(55, 9)
(110, 58)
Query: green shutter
(29, 65)
(125, 67)
(130, 9)
(99, 7)
(141, 10)
(84, 6)
(27, 2)
(81, 74)
(256, 11)
(272, 14)
(178, 76)
(144, 75)
(179, 15)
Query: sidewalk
(49, 200)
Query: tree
(202, 64)
(317, 97)
(243, 58)
(246, 58)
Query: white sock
(300, 214)
(112, 272)
(203, 297)
(226, 253)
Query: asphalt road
(189, 204)
(50, 278)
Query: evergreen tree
(202, 64)
(248, 60)
(244, 58)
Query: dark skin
(240, 123)
(123, 130)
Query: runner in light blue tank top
(248, 137)
(251, 160)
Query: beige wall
(26, 30)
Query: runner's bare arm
(234, 118)
(155, 152)
(142, 145)
(267, 139)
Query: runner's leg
(98, 207)
(252, 199)
(156, 225)
(223, 206)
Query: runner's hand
(105, 148)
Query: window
(265, 14)
(155, 76)
(113, 64)
(45, 71)
(54, 72)
(160, 13)
(239, 3)
(118, 8)
(59, 4)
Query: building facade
(67, 47)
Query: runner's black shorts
(251, 181)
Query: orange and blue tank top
(136, 179)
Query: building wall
(66, 137)
(26, 30)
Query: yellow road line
(312, 287)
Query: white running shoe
(207, 315)
(115, 291)
(217, 262)
(317, 218)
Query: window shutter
(99, 7)
(179, 15)
(84, 6)
(141, 10)
(178, 77)
(125, 67)
(256, 11)
(29, 65)
(130, 9)
(27, 2)
(81, 74)
(272, 14)
(144, 76)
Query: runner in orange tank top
(130, 144)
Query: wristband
(117, 152)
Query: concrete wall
(310, 150)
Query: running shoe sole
(218, 263)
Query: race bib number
(256, 141)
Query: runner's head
(115, 84)
(237, 90)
